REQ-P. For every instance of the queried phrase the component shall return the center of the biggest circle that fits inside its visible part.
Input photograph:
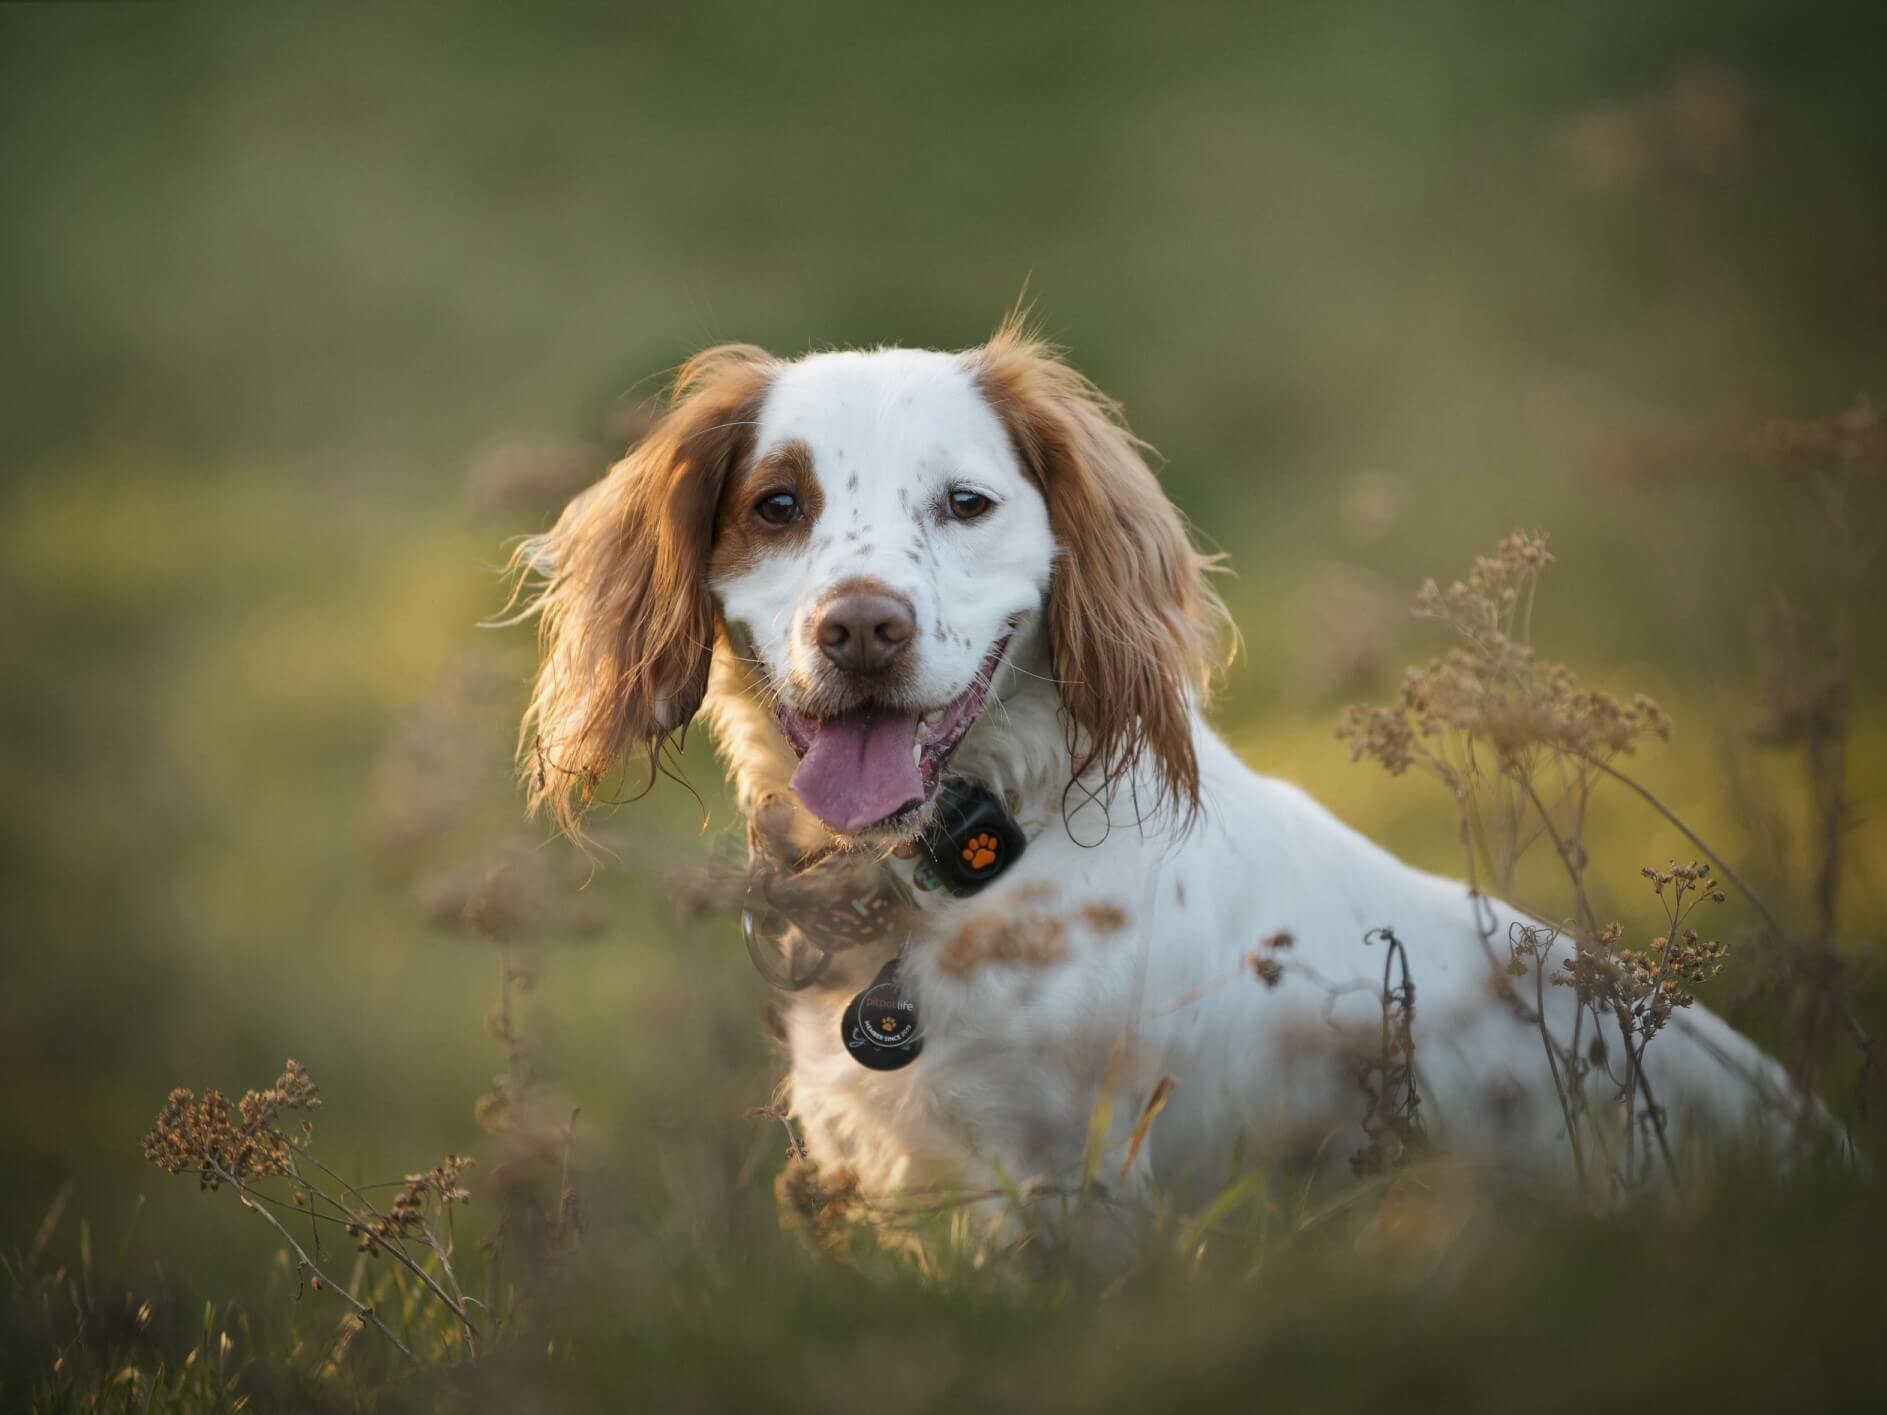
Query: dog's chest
(1022, 994)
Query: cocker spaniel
(954, 643)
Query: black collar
(972, 839)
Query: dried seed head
(239, 1141)
(1492, 689)
(1268, 970)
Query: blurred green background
(307, 312)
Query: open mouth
(875, 764)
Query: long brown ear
(626, 622)
(1133, 625)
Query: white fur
(1016, 1056)
(891, 433)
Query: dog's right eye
(777, 508)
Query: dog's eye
(967, 505)
(777, 508)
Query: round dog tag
(879, 1026)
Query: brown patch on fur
(740, 535)
(626, 621)
(1027, 940)
(1103, 917)
(1133, 624)
(1034, 894)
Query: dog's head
(892, 541)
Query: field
(311, 314)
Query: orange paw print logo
(980, 853)
(887, 1025)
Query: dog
(888, 578)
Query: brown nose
(863, 633)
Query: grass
(277, 282)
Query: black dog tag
(971, 840)
(879, 1026)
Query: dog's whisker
(1015, 667)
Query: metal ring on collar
(773, 969)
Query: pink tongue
(860, 769)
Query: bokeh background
(308, 312)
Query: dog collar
(971, 842)
(972, 839)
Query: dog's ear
(1133, 624)
(626, 621)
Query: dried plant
(1638, 989)
(1693, 127)
(225, 1143)
(1809, 641)
(1392, 1120)
(443, 812)
(1643, 987)
(1853, 441)
(1840, 461)
(1518, 740)
(825, 1203)
(1522, 744)
(539, 1214)
(1264, 961)
(1492, 693)
(244, 1145)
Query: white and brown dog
(874, 572)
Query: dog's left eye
(967, 505)
(778, 508)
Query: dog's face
(880, 537)
(875, 557)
